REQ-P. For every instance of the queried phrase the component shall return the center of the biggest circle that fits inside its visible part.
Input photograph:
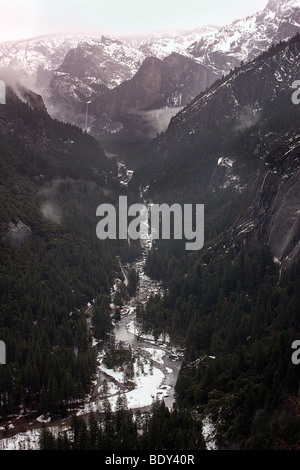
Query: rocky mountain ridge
(61, 147)
(223, 48)
(134, 105)
(242, 135)
(71, 71)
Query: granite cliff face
(158, 84)
(92, 89)
(90, 69)
(34, 100)
(173, 81)
(12, 123)
(272, 214)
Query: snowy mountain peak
(69, 71)
(275, 5)
(245, 38)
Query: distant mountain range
(70, 71)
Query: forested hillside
(52, 178)
(234, 305)
(159, 429)
(237, 321)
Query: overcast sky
(28, 18)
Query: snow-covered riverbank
(155, 364)
(155, 369)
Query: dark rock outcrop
(17, 91)
(158, 84)
(173, 81)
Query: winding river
(155, 366)
(154, 372)
(156, 363)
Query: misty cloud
(158, 119)
(248, 117)
(49, 207)
(16, 81)
(54, 194)
(51, 212)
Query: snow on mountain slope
(39, 56)
(108, 59)
(36, 58)
(76, 66)
(246, 38)
(220, 48)
(69, 71)
(94, 66)
(161, 45)
(224, 48)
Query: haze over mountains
(71, 71)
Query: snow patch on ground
(143, 388)
(208, 431)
